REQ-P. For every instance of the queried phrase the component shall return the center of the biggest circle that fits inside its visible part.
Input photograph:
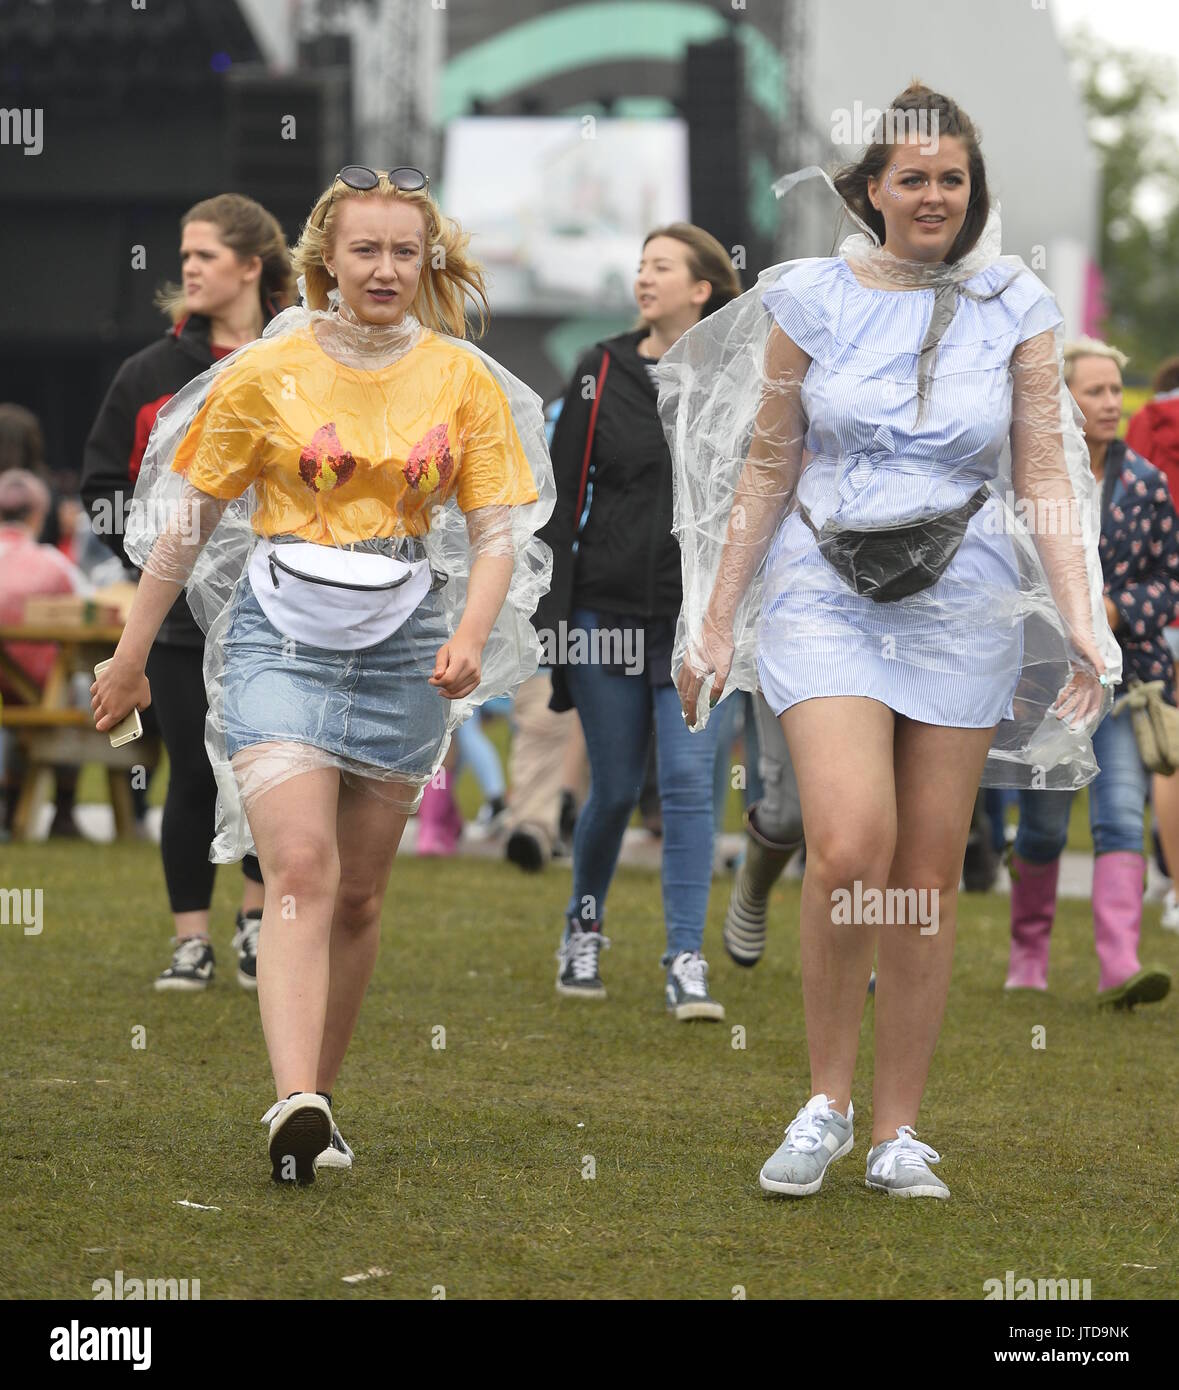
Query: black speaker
(287, 135)
(713, 105)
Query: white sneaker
(900, 1167)
(337, 1154)
(1170, 918)
(300, 1129)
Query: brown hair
(1167, 376)
(707, 260)
(22, 443)
(248, 230)
(450, 275)
(852, 180)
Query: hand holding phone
(127, 729)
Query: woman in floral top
(1139, 551)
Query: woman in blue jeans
(609, 620)
(1139, 551)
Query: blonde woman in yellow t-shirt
(364, 457)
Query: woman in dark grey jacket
(237, 275)
(608, 622)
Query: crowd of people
(785, 500)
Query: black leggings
(178, 701)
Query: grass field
(470, 1160)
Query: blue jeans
(1117, 800)
(616, 712)
(478, 752)
(996, 801)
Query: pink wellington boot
(1033, 906)
(1118, 880)
(440, 822)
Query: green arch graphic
(577, 37)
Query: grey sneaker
(816, 1137)
(192, 965)
(577, 957)
(686, 990)
(900, 1167)
(337, 1154)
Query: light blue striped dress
(951, 654)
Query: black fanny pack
(890, 564)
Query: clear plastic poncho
(859, 394)
(416, 421)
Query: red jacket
(1154, 434)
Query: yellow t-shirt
(339, 454)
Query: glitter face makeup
(888, 188)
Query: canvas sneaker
(337, 1154)
(245, 943)
(816, 1137)
(300, 1130)
(686, 990)
(900, 1167)
(1170, 918)
(192, 964)
(577, 961)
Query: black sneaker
(525, 851)
(192, 965)
(577, 956)
(686, 990)
(245, 943)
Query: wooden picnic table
(52, 733)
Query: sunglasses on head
(362, 178)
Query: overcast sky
(1152, 24)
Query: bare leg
(369, 831)
(191, 923)
(937, 775)
(294, 828)
(1165, 801)
(842, 751)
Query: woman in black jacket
(608, 622)
(236, 276)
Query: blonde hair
(248, 230)
(1091, 347)
(450, 275)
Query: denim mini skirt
(373, 707)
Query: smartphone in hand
(126, 730)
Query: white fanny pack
(334, 598)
